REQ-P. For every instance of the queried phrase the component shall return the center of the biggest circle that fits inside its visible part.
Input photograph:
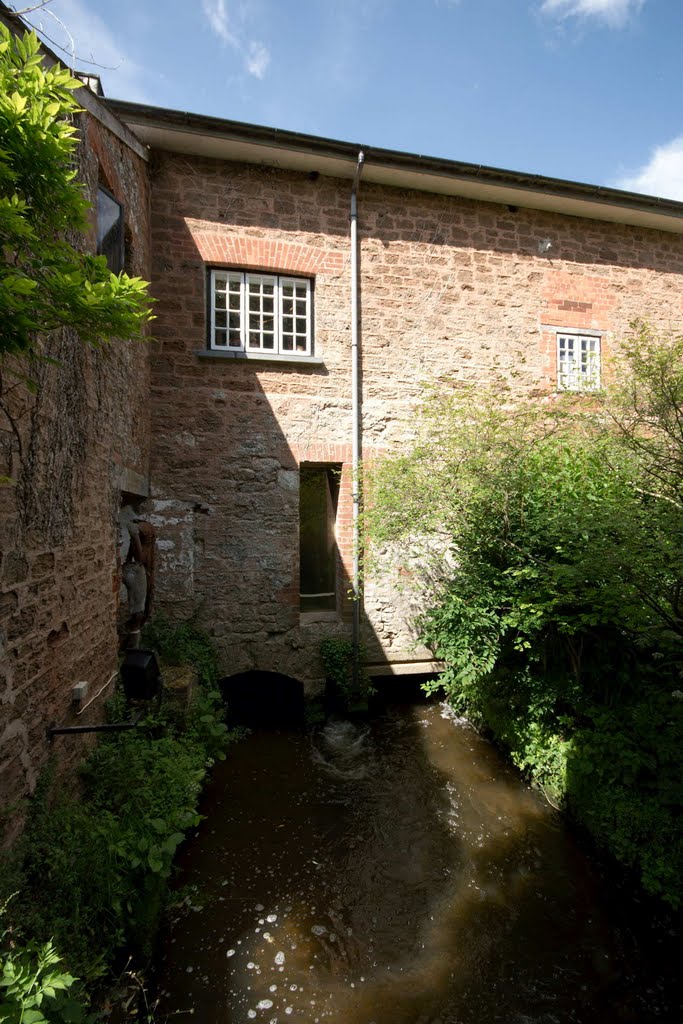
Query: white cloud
(233, 32)
(614, 13)
(82, 40)
(216, 14)
(258, 60)
(662, 175)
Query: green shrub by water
(617, 770)
(90, 874)
(554, 564)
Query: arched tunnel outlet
(271, 700)
(264, 699)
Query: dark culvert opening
(401, 689)
(260, 700)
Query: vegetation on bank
(549, 533)
(85, 888)
(347, 691)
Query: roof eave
(195, 134)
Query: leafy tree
(46, 281)
(646, 405)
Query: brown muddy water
(397, 872)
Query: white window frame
(582, 374)
(245, 278)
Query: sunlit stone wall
(448, 287)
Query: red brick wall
(448, 287)
(58, 532)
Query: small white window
(260, 313)
(578, 362)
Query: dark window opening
(318, 495)
(110, 232)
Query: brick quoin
(337, 454)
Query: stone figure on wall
(137, 551)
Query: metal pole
(68, 730)
(355, 420)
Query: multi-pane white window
(578, 362)
(266, 313)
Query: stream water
(397, 872)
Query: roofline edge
(239, 131)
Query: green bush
(34, 989)
(93, 866)
(337, 657)
(45, 282)
(556, 600)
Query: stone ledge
(132, 482)
(403, 668)
(259, 357)
(179, 684)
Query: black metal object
(141, 681)
(62, 730)
(140, 675)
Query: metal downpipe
(355, 419)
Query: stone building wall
(71, 449)
(448, 287)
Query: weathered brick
(57, 608)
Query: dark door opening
(318, 497)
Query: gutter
(157, 121)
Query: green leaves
(45, 282)
(94, 869)
(185, 644)
(550, 534)
(553, 561)
(337, 657)
(31, 990)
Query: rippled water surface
(397, 872)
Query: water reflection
(394, 873)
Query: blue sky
(589, 90)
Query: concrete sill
(403, 668)
(260, 357)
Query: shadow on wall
(252, 457)
(273, 199)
